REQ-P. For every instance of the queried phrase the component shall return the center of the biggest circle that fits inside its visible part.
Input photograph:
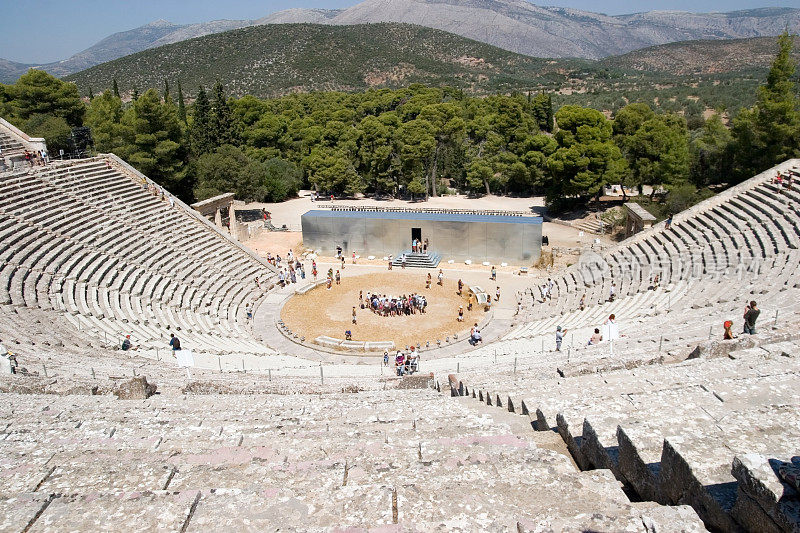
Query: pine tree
(181, 104)
(166, 89)
(769, 132)
(200, 130)
(222, 128)
(116, 88)
(91, 94)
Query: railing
(378, 209)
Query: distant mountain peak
(160, 23)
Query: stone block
(135, 389)
(328, 341)
(419, 381)
(379, 346)
(712, 349)
(770, 503)
(679, 484)
(642, 474)
(353, 345)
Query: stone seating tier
(672, 432)
(302, 462)
(127, 271)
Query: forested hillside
(273, 60)
(702, 57)
(692, 78)
(418, 140)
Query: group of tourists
(290, 269)
(784, 181)
(404, 364)
(546, 290)
(419, 246)
(36, 159)
(392, 305)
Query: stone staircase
(702, 432)
(417, 260)
(590, 225)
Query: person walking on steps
(174, 342)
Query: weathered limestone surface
(764, 502)
(135, 389)
(302, 462)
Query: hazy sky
(51, 30)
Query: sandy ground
(329, 312)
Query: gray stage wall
(493, 238)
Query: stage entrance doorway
(416, 233)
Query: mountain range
(514, 25)
(273, 60)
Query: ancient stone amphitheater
(661, 430)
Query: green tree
(586, 158)
(223, 130)
(103, 117)
(658, 152)
(447, 129)
(55, 130)
(229, 169)
(542, 110)
(769, 132)
(5, 100)
(711, 150)
(39, 93)
(331, 170)
(181, 105)
(152, 139)
(116, 88)
(417, 139)
(200, 137)
(415, 188)
(377, 151)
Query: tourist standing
(440, 277)
(751, 313)
(559, 337)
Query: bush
(55, 130)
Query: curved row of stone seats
(646, 339)
(671, 432)
(301, 462)
(139, 266)
(56, 358)
(755, 225)
(640, 305)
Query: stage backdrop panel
(457, 236)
